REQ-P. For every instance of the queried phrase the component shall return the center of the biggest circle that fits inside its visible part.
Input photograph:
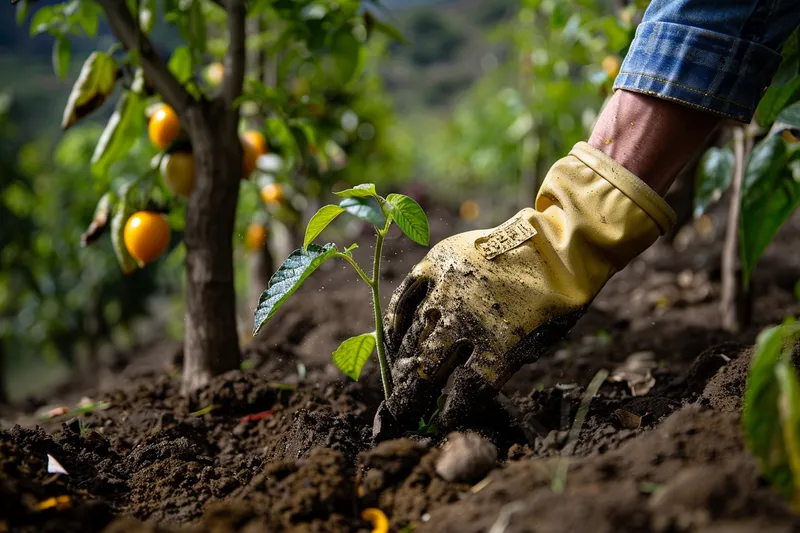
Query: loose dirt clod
(466, 457)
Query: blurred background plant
(467, 100)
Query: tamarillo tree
(324, 37)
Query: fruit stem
(375, 284)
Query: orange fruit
(177, 169)
(611, 65)
(249, 158)
(257, 139)
(788, 136)
(214, 73)
(164, 127)
(256, 237)
(272, 193)
(469, 210)
(146, 236)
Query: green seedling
(558, 483)
(362, 202)
(430, 428)
(771, 415)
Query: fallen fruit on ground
(249, 157)
(177, 169)
(257, 139)
(272, 193)
(256, 237)
(380, 524)
(146, 236)
(164, 127)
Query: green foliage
(410, 218)
(291, 274)
(353, 353)
(94, 85)
(771, 188)
(770, 194)
(430, 428)
(771, 415)
(714, 178)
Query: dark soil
(281, 451)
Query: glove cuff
(631, 186)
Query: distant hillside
(447, 50)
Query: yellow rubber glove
(484, 303)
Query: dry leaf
(636, 372)
(627, 419)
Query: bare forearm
(652, 137)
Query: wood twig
(155, 68)
(236, 56)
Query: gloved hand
(483, 303)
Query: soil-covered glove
(483, 303)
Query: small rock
(466, 457)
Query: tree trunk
(736, 303)
(211, 344)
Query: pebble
(466, 457)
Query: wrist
(651, 137)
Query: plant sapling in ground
(362, 202)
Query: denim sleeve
(715, 55)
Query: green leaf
(366, 209)
(292, 273)
(123, 212)
(94, 85)
(353, 353)
(346, 52)
(790, 116)
(776, 99)
(320, 221)
(181, 64)
(124, 127)
(43, 19)
(789, 411)
(410, 218)
(87, 17)
(761, 420)
(364, 190)
(22, 11)
(61, 56)
(770, 195)
(713, 178)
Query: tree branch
(155, 68)
(233, 82)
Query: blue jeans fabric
(716, 55)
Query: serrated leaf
(292, 273)
(365, 190)
(367, 209)
(790, 116)
(713, 178)
(320, 221)
(124, 127)
(770, 194)
(352, 354)
(761, 420)
(95, 83)
(62, 51)
(410, 218)
(126, 262)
